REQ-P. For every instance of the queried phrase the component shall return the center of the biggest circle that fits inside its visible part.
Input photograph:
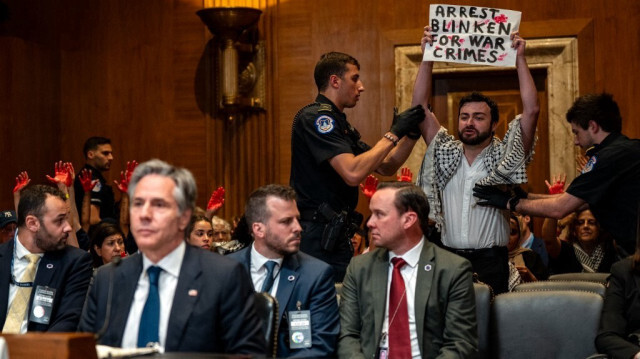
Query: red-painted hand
(217, 200)
(370, 185)
(85, 180)
(21, 181)
(405, 175)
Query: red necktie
(399, 339)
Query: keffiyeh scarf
(505, 160)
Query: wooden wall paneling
(29, 112)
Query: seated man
(430, 311)
(40, 264)
(8, 225)
(171, 295)
(298, 281)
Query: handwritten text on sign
(472, 35)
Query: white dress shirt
(167, 283)
(409, 274)
(20, 263)
(259, 271)
(468, 224)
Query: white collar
(170, 263)
(21, 251)
(412, 256)
(258, 260)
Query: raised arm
(21, 182)
(422, 90)
(354, 169)
(528, 93)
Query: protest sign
(472, 35)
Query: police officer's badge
(324, 124)
(590, 164)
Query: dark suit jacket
(445, 307)
(309, 281)
(212, 311)
(620, 313)
(67, 270)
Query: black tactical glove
(414, 133)
(491, 196)
(407, 122)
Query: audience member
(530, 241)
(8, 225)
(199, 231)
(587, 249)
(527, 263)
(451, 168)
(407, 298)
(98, 155)
(63, 179)
(619, 334)
(45, 281)
(221, 230)
(609, 183)
(107, 242)
(171, 295)
(328, 159)
(303, 285)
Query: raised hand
(21, 181)
(557, 186)
(518, 43)
(405, 175)
(369, 186)
(216, 200)
(85, 180)
(71, 173)
(61, 174)
(125, 177)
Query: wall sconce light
(240, 78)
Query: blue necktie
(150, 319)
(268, 281)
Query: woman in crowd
(199, 232)
(525, 265)
(107, 242)
(619, 335)
(585, 250)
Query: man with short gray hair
(170, 295)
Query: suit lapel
(288, 278)
(426, 268)
(6, 254)
(124, 288)
(185, 298)
(379, 276)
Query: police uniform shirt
(610, 183)
(321, 132)
(101, 195)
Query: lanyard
(13, 277)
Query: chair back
(543, 285)
(547, 324)
(267, 309)
(483, 311)
(338, 291)
(585, 277)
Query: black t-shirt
(610, 183)
(101, 195)
(320, 132)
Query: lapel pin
(291, 278)
(193, 292)
(427, 267)
(49, 265)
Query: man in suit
(171, 295)
(45, 280)
(408, 297)
(298, 281)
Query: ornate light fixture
(235, 32)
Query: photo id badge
(300, 329)
(42, 305)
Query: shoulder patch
(325, 107)
(324, 124)
(590, 164)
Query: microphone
(116, 262)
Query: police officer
(609, 182)
(328, 159)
